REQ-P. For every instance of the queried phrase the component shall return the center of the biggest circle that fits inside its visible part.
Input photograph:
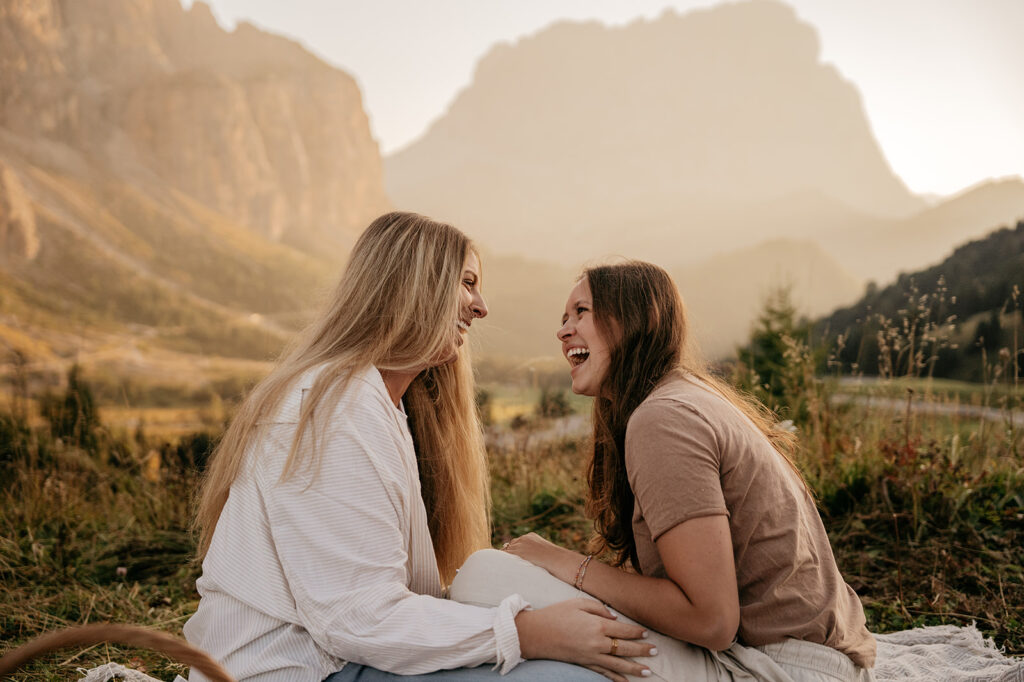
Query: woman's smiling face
(471, 306)
(582, 344)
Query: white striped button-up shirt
(335, 563)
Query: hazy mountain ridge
(881, 249)
(165, 181)
(691, 135)
(664, 129)
(723, 295)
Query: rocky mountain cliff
(666, 136)
(18, 237)
(248, 123)
(168, 188)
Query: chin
(581, 390)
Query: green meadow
(924, 506)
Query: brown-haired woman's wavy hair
(396, 308)
(640, 315)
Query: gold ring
(615, 647)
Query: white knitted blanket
(114, 671)
(944, 653)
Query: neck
(397, 383)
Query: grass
(84, 542)
(508, 401)
(925, 513)
(949, 391)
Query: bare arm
(698, 602)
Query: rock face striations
(247, 123)
(679, 135)
(18, 238)
(165, 180)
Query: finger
(607, 673)
(623, 666)
(622, 630)
(597, 608)
(630, 648)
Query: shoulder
(675, 401)
(348, 413)
(362, 392)
(676, 419)
(365, 392)
(354, 426)
(360, 406)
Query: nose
(479, 306)
(565, 331)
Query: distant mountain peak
(658, 129)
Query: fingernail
(645, 673)
(644, 634)
(654, 651)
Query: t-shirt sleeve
(673, 460)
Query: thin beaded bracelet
(582, 571)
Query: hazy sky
(942, 80)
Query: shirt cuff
(506, 637)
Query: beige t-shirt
(691, 453)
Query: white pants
(488, 576)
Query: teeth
(463, 326)
(577, 356)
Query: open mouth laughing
(577, 356)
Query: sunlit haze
(940, 80)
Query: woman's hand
(584, 632)
(558, 561)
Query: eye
(581, 309)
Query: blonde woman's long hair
(395, 308)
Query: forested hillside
(959, 319)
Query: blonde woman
(352, 483)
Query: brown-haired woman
(352, 483)
(690, 486)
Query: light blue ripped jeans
(535, 671)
